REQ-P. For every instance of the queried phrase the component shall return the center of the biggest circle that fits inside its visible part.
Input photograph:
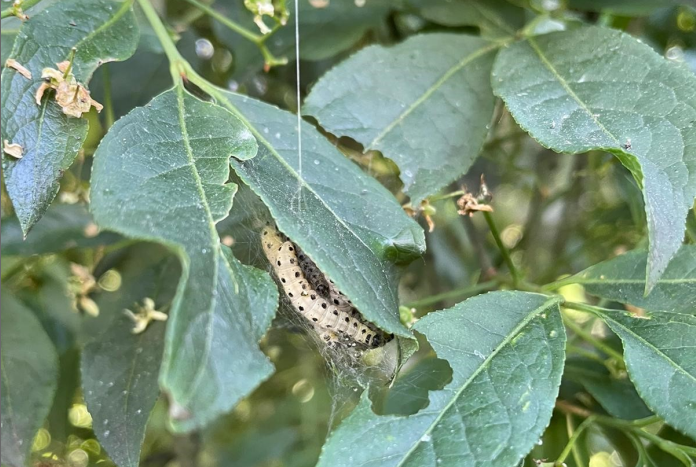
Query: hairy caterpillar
(317, 299)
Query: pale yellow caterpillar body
(328, 311)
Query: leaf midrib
(648, 344)
(547, 304)
(185, 398)
(566, 86)
(431, 89)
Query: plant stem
(258, 39)
(503, 250)
(242, 31)
(13, 10)
(462, 292)
(177, 64)
(454, 194)
(108, 103)
(555, 285)
(590, 339)
(632, 426)
(574, 437)
(181, 69)
(585, 353)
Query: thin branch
(590, 339)
(17, 9)
(503, 249)
(679, 451)
(258, 39)
(109, 117)
(452, 294)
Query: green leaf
(7, 42)
(119, 380)
(174, 155)
(105, 31)
(119, 368)
(495, 18)
(29, 374)
(506, 350)
(61, 228)
(623, 279)
(617, 396)
(599, 89)
(660, 354)
(409, 393)
(431, 123)
(349, 224)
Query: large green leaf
(174, 156)
(506, 350)
(63, 226)
(119, 380)
(344, 220)
(119, 369)
(29, 374)
(104, 32)
(618, 396)
(660, 354)
(432, 122)
(593, 88)
(623, 279)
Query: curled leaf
(72, 97)
(52, 74)
(40, 92)
(468, 204)
(12, 149)
(15, 65)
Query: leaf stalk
(17, 9)
(457, 293)
(259, 39)
(635, 427)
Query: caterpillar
(314, 297)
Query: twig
(109, 117)
(503, 249)
(487, 269)
(457, 293)
(258, 39)
(679, 451)
(590, 339)
(18, 8)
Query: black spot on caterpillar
(314, 297)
